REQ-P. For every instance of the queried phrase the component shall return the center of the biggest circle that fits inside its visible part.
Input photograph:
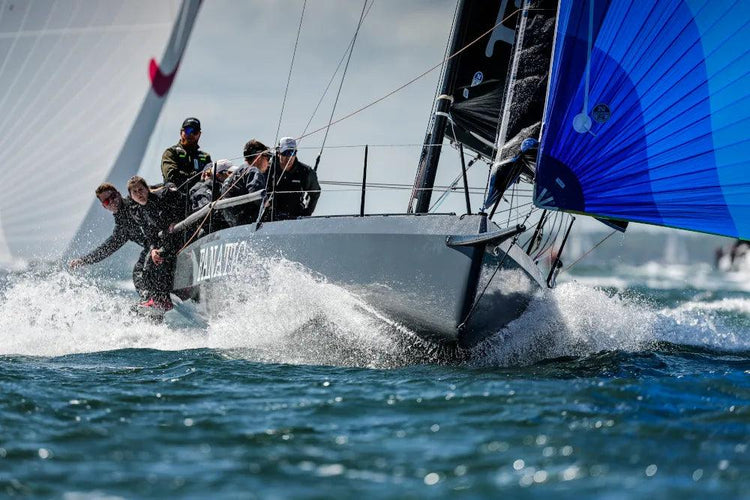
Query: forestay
(648, 114)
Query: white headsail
(80, 93)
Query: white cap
(287, 145)
(223, 166)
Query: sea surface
(626, 381)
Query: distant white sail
(80, 93)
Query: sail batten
(662, 135)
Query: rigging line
(291, 67)
(549, 237)
(499, 265)
(431, 117)
(341, 84)
(352, 146)
(418, 77)
(589, 251)
(222, 195)
(333, 77)
(443, 196)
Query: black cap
(192, 122)
(253, 148)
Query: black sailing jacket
(127, 228)
(290, 190)
(165, 206)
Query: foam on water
(285, 314)
(578, 320)
(276, 311)
(52, 314)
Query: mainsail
(80, 93)
(648, 114)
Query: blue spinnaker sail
(648, 114)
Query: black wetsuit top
(164, 207)
(127, 228)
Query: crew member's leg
(138, 279)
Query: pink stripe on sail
(159, 81)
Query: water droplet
(526, 480)
(570, 473)
(431, 478)
(331, 470)
(540, 476)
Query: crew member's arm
(312, 187)
(110, 246)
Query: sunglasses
(190, 130)
(109, 199)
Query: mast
(430, 156)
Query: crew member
(249, 178)
(182, 163)
(156, 213)
(126, 229)
(296, 188)
(202, 193)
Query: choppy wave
(579, 320)
(278, 312)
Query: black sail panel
(481, 74)
(528, 87)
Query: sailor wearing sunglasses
(183, 163)
(126, 229)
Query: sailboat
(82, 85)
(451, 278)
(643, 124)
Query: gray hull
(398, 264)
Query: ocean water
(630, 381)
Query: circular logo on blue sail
(477, 79)
(601, 113)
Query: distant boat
(641, 110)
(81, 87)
